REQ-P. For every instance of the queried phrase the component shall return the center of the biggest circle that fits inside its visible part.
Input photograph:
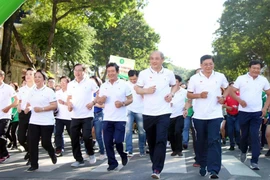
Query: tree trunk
(22, 48)
(6, 46)
(48, 56)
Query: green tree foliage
(131, 37)
(184, 73)
(71, 44)
(244, 34)
(58, 10)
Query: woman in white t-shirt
(42, 101)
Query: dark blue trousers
(59, 129)
(114, 133)
(208, 143)
(156, 128)
(233, 129)
(250, 123)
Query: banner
(7, 8)
(124, 64)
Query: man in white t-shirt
(6, 93)
(250, 87)
(63, 117)
(205, 88)
(115, 94)
(80, 104)
(157, 85)
(135, 115)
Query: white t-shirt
(41, 98)
(82, 94)
(178, 102)
(155, 104)
(118, 91)
(23, 95)
(6, 93)
(207, 108)
(63, 112)
(137, 105)
(251, 91)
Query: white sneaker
(77, 164)
(92, 159)
(21, 149)
(102, 157)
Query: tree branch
(21, 46)
(63, 1)
(71, 10)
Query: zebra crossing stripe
(236, 167)
(174, 164)
(45, 165)
(103, 167)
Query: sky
(186, 28)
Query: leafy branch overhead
(244, 34)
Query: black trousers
(3, 141)
(35, 133)
(85, 125)
(175, 133)
(156, 128)
(23, 128)
(59, 129)
(12, 132)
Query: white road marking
(236, 167)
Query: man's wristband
(172, 94)
(123, 104)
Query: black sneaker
(54, 159)
(174, 153)
(203, 171)
(124, 160)
(231, 148)
(268, 153)
(9, 145)
(31, 169)
(213, 175)
(112, 168)
(185, 146)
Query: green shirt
(190, 111)
(264, 97)
(15, 115)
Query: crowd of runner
(156, 100)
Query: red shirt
(229, 101)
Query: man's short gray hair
(2, 73)
(161, 54)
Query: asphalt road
(138, 168)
